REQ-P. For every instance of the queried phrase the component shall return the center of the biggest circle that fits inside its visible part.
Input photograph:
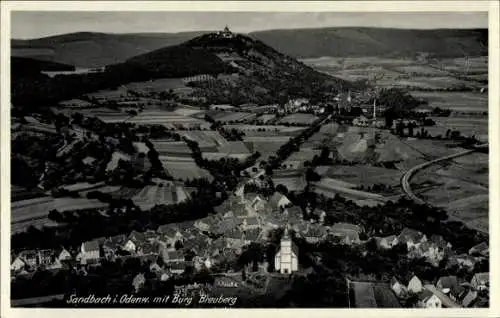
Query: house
(361, 121)
(138, 282)
(147, 248)
(387, 242)
(252, 235)
(255, 202)
(465, 261)
(279, 201)
(172, 256)
(426, 299)
(286, 260)
(411, 238)
(90, 252)
(250, 223)
(64, 255)
(177, 267)
(449, 286)
(481, 281)
(347, 233)
(202, 225)
(315, 234)
(446, 301)
(480, 250)
(415, 285)
(17, 265)
(320, 214)
(30, 258)
(398, 288)
(130, 246)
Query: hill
(234, 68)
(352, 41)
(242, 69)
(87, 49)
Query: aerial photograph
(177, 159)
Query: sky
(35, 24)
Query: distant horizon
(29, 25)
(280, 29)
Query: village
(154, 188)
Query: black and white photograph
(248, 159)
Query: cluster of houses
(448, 291)
(434, 249)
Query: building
(426, 299)
(347, 233)
(286, 260)
(90, 252)
(279, 201)
(411, 238)
(387, 242)
(481, 281)
(480, 249)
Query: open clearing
(457, 101)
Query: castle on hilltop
(226, 33)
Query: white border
(276, 6)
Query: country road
(405, 180)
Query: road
(405, 180)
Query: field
(460, 187)
(299, 119)
(293, 180)
(170, 119)
(265, 130)
(184, 170)
(266, 118)
(228, 116)
(417, 75)
(457, 101)
(105, 114)
(231, 149)
(35, 211)
(361, 174)
(330, 187)
(160, 85)
(267, 145)
(297, 159)
(171, 148)
(152, 195)
(467, 126)
(205, 138)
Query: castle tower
(286, 260)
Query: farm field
(171, 148)
(297, 159)
(461, 188)
(184, 170)
(35, 211)
(467, 126)
(269, 130)
(205, 138)
(228, 116)
(330, 187)
(168, 119)
(457, 101)
(267, 145)
(152, 195)
(266, 118)
(299, 119)
(423, 82)
(160, 85)
(293, 180)
(231, 149)
(361, 175)
(102, 113)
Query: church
(286, 260)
